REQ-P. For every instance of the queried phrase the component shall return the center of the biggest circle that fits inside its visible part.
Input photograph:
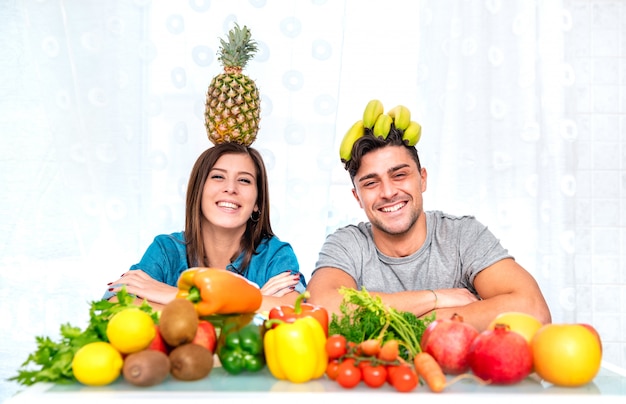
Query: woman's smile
(228, 205)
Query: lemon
(97, 364)
(131, 330)
(521, 323)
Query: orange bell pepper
(218, 291)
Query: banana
(356, 131)
(382, 126)
(372, 111)
(412, 133)
(401, 116)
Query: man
(415, 260)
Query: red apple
(206, 335)
(448, 341)
(158, 343)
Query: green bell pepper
(240, 344)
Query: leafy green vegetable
(52, 361)
(364, 316)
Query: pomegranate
(448, 341)
(500, 356)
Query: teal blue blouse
(166, 258)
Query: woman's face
(230, 192)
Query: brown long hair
(256, 230)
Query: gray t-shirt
(456, 249)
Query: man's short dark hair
(369, 142)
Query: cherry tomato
(332, 369)
(336, 346)
(403, 379)
(353, 348)
(349, 360)
(391, 369)
(363, 363)
(348, 374)
(374, 376)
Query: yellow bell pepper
(296, 351)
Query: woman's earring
(255, 216)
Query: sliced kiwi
(146, 368)
(191, 362)
(178, 322)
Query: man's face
(389, 187)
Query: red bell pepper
(289, 313)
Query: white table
(609, 386)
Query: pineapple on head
(233, 108)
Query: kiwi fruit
(178, 322)
(146, 368)
(190, 362)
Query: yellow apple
(521, 323)
(567, 355)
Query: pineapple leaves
(239, 49)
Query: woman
(227, 226)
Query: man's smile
(393, 208)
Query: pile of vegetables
(367, 341)
(52, 360)
(377, 344)
(365, 316)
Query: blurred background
(522, 104)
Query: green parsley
(364, 316)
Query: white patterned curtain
(522, 105)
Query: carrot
(370, 347)
(429, 370)
(389, 351)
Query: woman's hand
(143, 286)
(281, 284)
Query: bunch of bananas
(379, 123)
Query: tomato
(567, 354)
(391, 370)
(332, 369)
(363, 363)
(336, 346)
(348, 374)
(374, 376)
(353, 347)
(403, 378)
(348, 360)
